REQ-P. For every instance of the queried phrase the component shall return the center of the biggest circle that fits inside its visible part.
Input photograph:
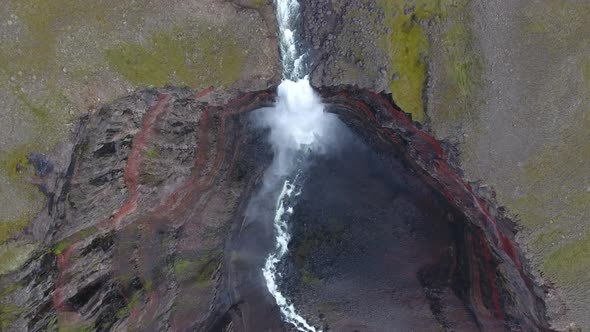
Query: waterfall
(298, 124)
(291, 57)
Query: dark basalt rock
(145, 224)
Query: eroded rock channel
(146, 216)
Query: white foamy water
(283, 211)
(292, 59)
(298, 123)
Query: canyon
(148, 217)
(154, 212)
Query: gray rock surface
(507, 83)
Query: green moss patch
(153, 152)
(409, 47)
(8, 314)
(408, 53)
(546, 240)
(199, 270)
(8, 229)
(14, 162)
(13, 255)
(571, 262)
(134, 301)
(71, 322)
(202, 57)
(554, 173)
(67, 242)
(45, 20)
(463, 69)
(10, 289)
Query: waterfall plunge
(298, 125)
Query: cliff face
(137, 211)
(144, 224)
(507, 84)
(60, 59)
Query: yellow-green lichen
(70, 322)
(14, 162)
(8, 314)
(13, 255)
(67, 242)
(10, 289)
(20, 199)
(556, 26)
(153, 152)
(182, 265)
(546, 241)
(571, 262)
(463, 69)
(201, 57)
(44, 21)
(552, 178)
(134, 301)
(10, 228)
(535, 27)
(408, 47)
(199, 270)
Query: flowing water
(298, 125)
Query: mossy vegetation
(67, 242)
(259, 3)
(571, 262)
(31, 67)
(546, 240)
(198, 270)
(9, 289)
(10, 228)
(8, 314)
(182, 265)
(133, 302)
(44, 20)
(13, 255)
(463, 69)
(23, 199)
(409, 48)
(70, 322)
(153, 152)
(207, 56)
(14, 162)
(555, 202)
(552, 174)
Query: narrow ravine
(297, 123)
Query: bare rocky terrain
(507, 84)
